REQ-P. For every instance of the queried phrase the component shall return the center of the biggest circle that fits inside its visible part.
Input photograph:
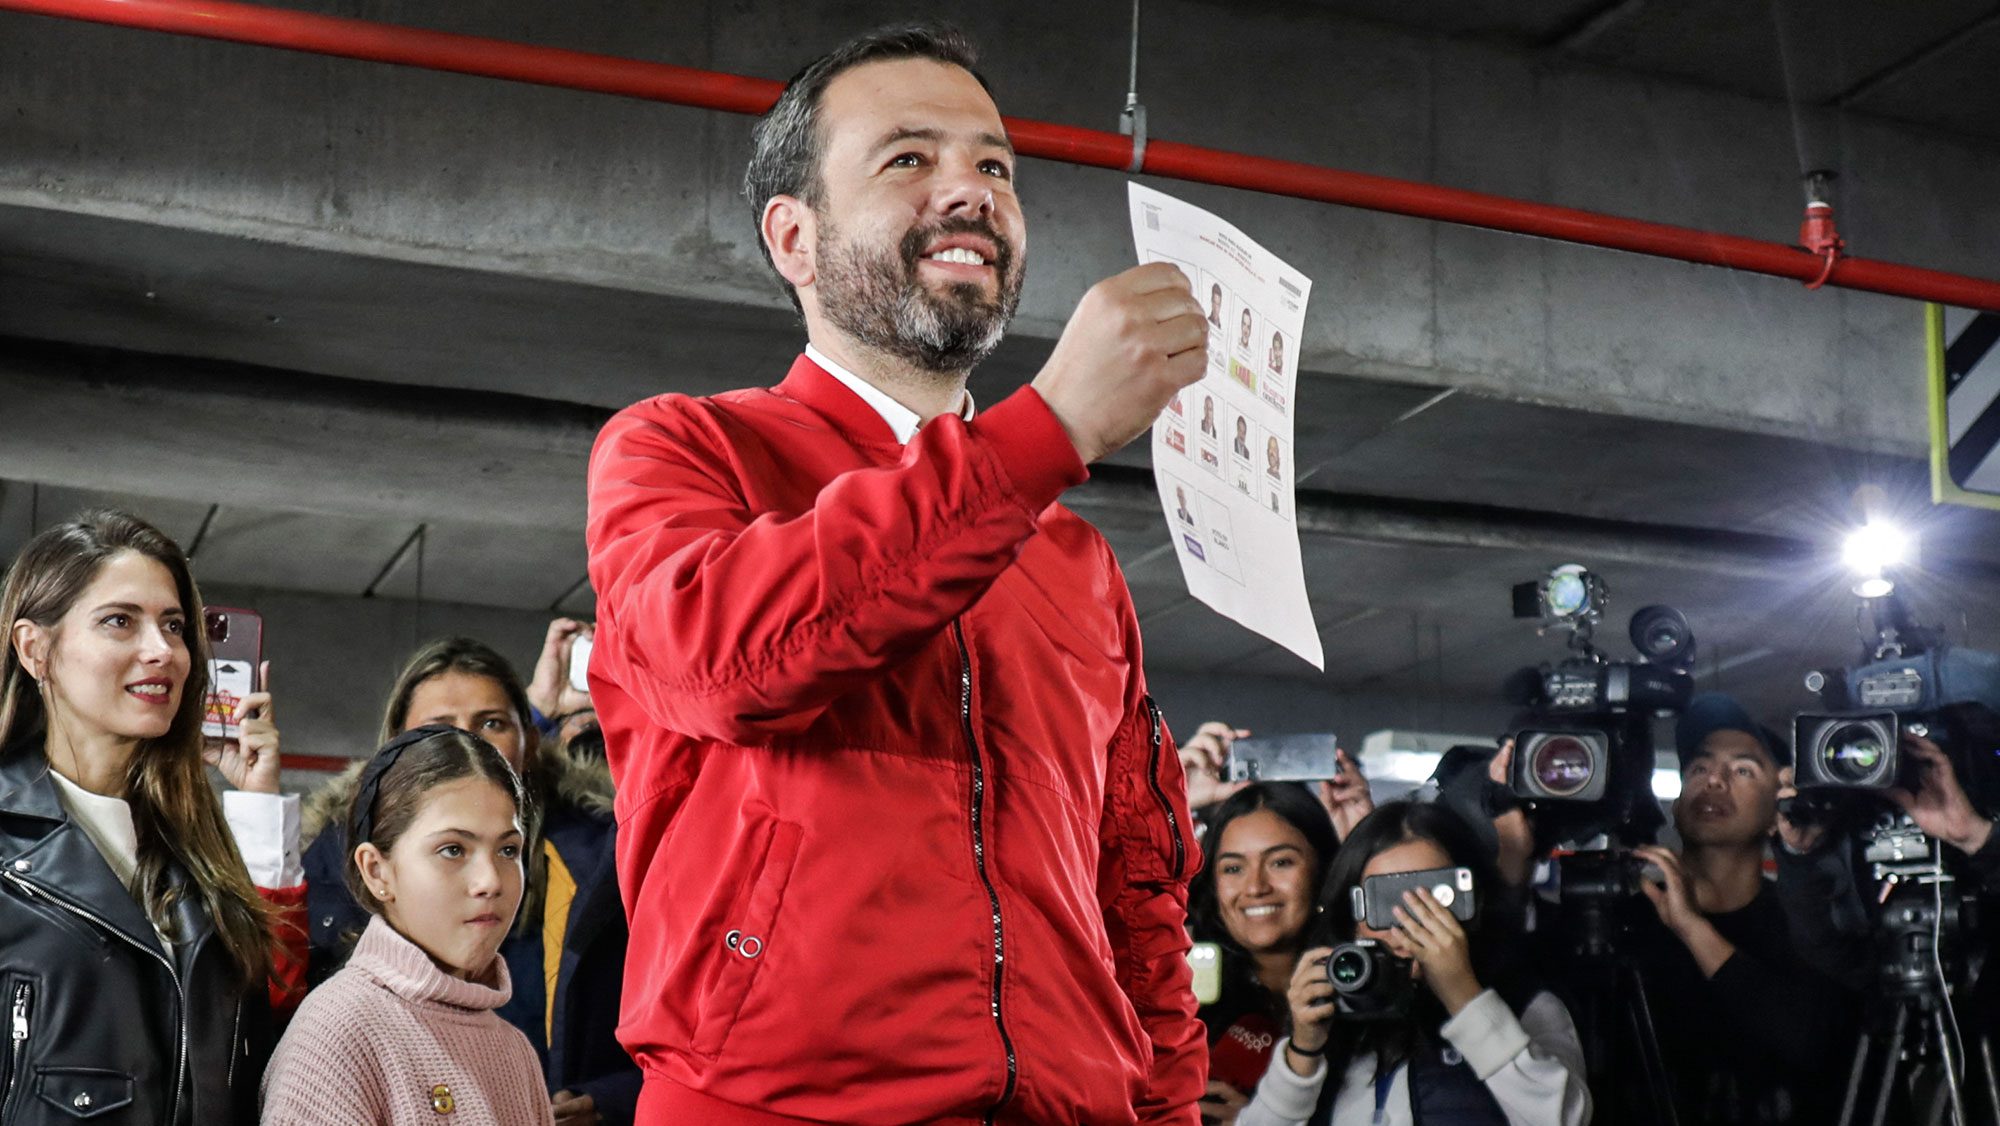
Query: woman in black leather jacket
(135, 951)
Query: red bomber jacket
(900, 834)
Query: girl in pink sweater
(407, 1031)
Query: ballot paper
(1222, 450)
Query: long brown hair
(473, 658)
(178, 818)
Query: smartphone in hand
(1377, 897)
(235, 657)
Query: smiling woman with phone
(1437, 1033)
(137, 953)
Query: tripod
(1916, 915)
(1933, 1080)
(1615, 1018)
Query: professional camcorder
(1908, 682)
(1583, 761)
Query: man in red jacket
(901, 835)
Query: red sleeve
(728, 623)
(290, 949)
(1149, 855)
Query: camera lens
(1853, 753)
(1348, 968)
(1661, 634)
(1561, 765)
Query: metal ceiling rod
(731, 93)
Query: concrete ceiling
(348, 424)
(1928, 63)
(1422, 507)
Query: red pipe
(326, 764)
(660, 82)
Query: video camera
(1941, 692)
(1583, 760)
(1909, 681)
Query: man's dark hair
(787, 142)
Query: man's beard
(876, 297)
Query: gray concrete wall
(333, 661)
(438, 168)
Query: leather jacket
(104, 1023)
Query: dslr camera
(1369, 983)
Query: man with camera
(1747, 1033)
(901, 835)
(1817, 863)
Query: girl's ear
(377, 874)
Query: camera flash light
(1873, 548)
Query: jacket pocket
(748, 935)
(17, 993)
(84, 1093)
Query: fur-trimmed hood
(558, 779)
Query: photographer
(1817, 863)
(1745, 1031)
(1473, 1047)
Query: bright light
(1874, 586)
(1874, 548)
(1666, 784)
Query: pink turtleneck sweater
(392, 1040)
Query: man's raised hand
(1134, 340)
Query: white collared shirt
(903, 422)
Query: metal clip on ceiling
(1132, 119)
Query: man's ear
(31, 648)
(791, 234)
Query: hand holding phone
(235, 658)
(579, 664)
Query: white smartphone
(579, 664)
(1205, 958)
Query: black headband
(363, 822)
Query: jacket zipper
(17, 1056)
(1160, 792)
(979, 862)
(236, 1045)
(180, 995)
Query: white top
(1533, 1065)
(108, 824)
(903, 421)
(266, 828)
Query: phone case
(236, 649)
(1374, 900)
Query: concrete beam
(209, 432)
(382, 162)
